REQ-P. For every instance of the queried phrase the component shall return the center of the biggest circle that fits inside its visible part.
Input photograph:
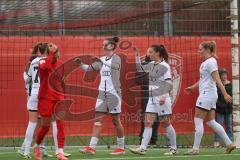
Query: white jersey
(27, 81)
(155, 79)
(206, 82)
(33, 73)
(110, 73)
(158, 74)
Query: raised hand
(135, 51)
(78, 61)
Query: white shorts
(153, 106)
(109, 102)
(32, 104)
(207, 101)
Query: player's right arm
(192, 87)
(92, 67)
(139, 66)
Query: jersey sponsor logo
(106, 73)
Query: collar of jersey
(108, 58)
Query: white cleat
(138, 151)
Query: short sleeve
(212, 65)
(167, 75)
(96, 65)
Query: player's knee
(148, 124)
(165, 124)
(98, 124)
(116, 122)
(211, 123)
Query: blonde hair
(211, 46)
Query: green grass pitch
(152, 154)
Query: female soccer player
(31, 85)
(32, 82)
(109, 98)
(206, 102)
(159, 102)
(47, 98)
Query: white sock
(120, 142)
(28, 137)
(54, 129)
(60, 150)
(42, 147)
(93, 142)
(146, 138)
(198, 132)
(171, 134)
(23, 145)
(220, 131)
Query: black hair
(161, 50)
(113, 41)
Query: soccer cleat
(88, 150)
(27, 157)
(118, 151)
(171, 152)
(60, 156)
(65, 154)
(37, 153)
(230, 148)
(138, 151)
(192, 152)
(21, 152)
(46, 154)
(216, 144)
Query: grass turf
(152, 154)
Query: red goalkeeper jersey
(46, 67)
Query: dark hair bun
(115, 39)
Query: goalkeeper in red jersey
(47, 98)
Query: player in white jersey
(109, 98)
(159, 102)
(206, 102)
(32, 83)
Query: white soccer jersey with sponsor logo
(33, 73)
(110, 77)
(159, 74)
(206, 82)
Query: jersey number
(36, 77)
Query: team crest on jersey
(175, 63)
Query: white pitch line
(161, 157)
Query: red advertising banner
(184, 61)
